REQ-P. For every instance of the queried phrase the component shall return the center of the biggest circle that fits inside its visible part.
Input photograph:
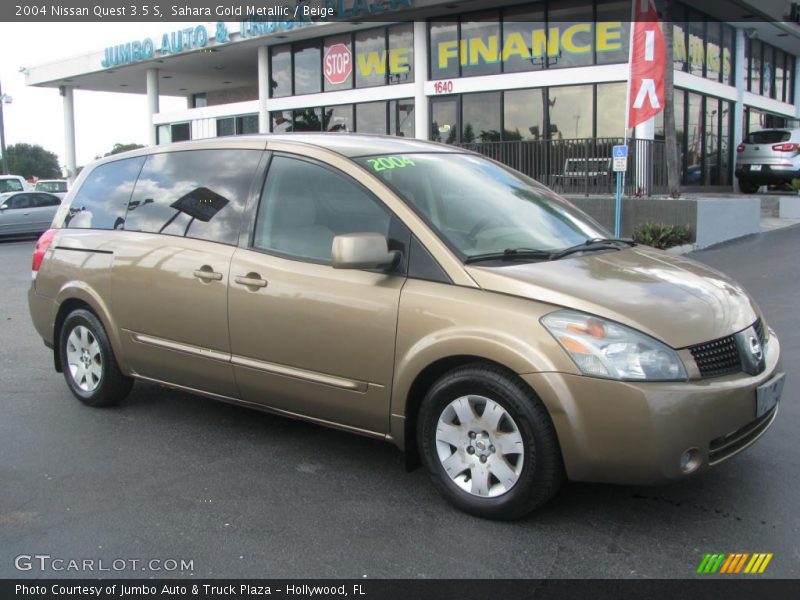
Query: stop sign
(337, 64)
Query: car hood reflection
(672, 298)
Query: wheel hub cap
(480, 446)
(84, 358)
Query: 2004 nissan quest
(407, 291)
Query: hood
(674, 299)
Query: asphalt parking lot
(168, 475)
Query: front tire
(88, 361)
(488, 443)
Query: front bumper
(635, 433)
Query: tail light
(785, 147)
(740, 148)
(42, 244)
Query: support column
(421, 107)
(263, 89)
(69, 131)
(738, 106)
(152, 104)
(797, 87)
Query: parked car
(13, 183)
(27, 213)
(407, 291)
(52, 186)
(768, 157)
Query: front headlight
(603, 348)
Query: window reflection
(307, 67)
(280, 71)
(371, 117)
(480, 114)
(198, 194)
(103, 198)
(523, 114)
(571, 112)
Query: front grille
(719, 357)
(728, 445)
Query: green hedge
(662, 236)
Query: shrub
(662, 236)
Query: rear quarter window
(768, 137)
(102, 200)
(195, 193)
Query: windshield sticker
(390, 162)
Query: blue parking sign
(620, 152)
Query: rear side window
(767, 137)
(103, 198)
(43, 200)
(196, 193)
(10, 185)
(19, 201)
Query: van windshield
(480, 207)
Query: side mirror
(4, 207)
(362, 251)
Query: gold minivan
(407, 291)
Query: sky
(35, 115)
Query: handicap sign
(620, 154)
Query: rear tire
(748, 187)
(89, 365)
(488, 443)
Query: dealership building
(515, 76)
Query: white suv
(768, 157)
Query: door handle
(251, 280)
(206, 274)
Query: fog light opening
(690, 460)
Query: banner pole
(621, 174)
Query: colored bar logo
(734, 563)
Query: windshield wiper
(510, 254)
(591, 245)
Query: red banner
(648, 61)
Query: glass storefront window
(612, 31)
(779, 75)
(444, 59)
(694, 140)
(523, 114)
(727, 54)
(788, 86)
(401, 117)
(767, 71)
(573, 22)
(281, 121)
(247, 124)
(280, 71)
(371, 117)
(754, 83)
(480, 117)
(401, 53)
(522, 26)
(371, 58)
(680, 50)
(571, 112)
(226, 126)
(307, 119)
(444, 120)
(725, 146)
(680, 126)
(711, 167)
(611, 109)
(479, 45)
(714, 50)
(697, 50)
(307, 67)
(328, 43)
(338, 118)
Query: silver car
(768, 157)
(24, 213)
